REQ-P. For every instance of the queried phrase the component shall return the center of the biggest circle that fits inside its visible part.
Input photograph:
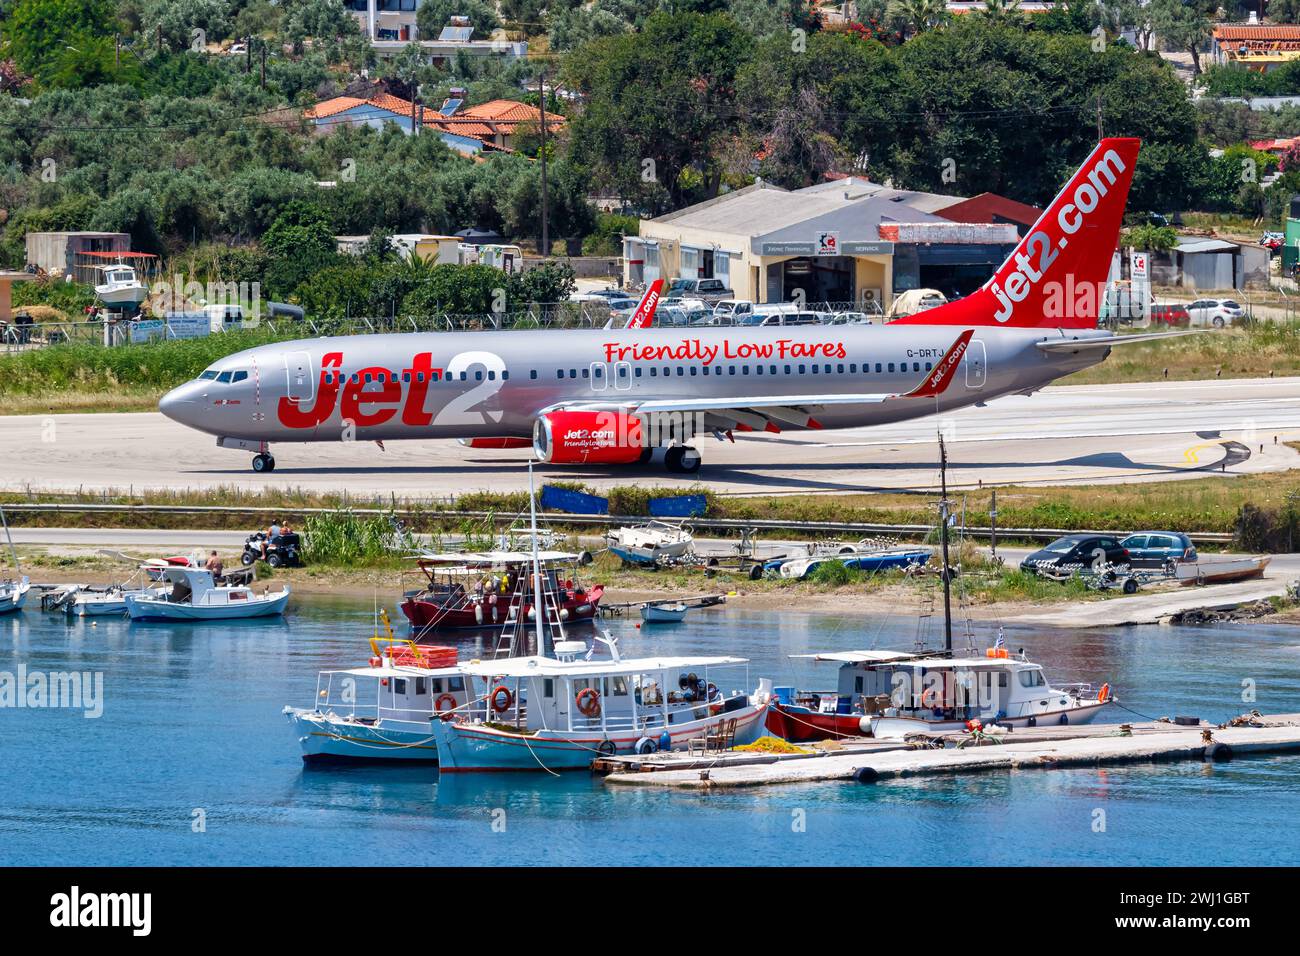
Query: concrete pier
(1030, 749)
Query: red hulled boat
(489, 590)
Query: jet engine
(575, 438)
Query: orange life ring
(376, 662)
(588, 701)
(450, 701)
(501, 706)
(1104, 693)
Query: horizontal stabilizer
(1105, 342)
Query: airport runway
(1061, 435)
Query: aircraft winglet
(940, 377)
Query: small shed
(1220, 264)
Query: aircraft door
(599, 377)
(301, 384)
(622, 375)
(977, 362)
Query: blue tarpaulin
(574, 502)
(681, 506)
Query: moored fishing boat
(669, 612)
(13, 594)
(890, 694)
(579, 710)
(385, 710)
(195, 596)
(100, 602)
(489, 590)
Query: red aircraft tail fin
(939, 378)
(1056, 277)
(645, 310)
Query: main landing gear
(263, 462)
(682, 460)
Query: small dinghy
(195, 596)
(669, 613)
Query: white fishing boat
(101, 602)
(195, 596)
(13, 594)
(652, 543)
(119, 288)
(579, 709)
(666, 613)
(892, 694)
(385, 711)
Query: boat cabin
(572, 695)
(897, 683)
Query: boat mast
(13, 552)
(539, 598)
(944, 508)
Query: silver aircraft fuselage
(496, 384)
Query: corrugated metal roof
(1205, 245)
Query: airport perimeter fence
(17, 336)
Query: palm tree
(1000, 11)
(919, 15)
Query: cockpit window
(224, 377)
(239, 376)
(209, 375)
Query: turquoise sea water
(192, 728)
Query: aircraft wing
(770, 412)
(1107, 341)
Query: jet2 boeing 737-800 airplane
(620, 395)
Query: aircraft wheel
(262, 463)
(683, 460)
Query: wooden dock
(1041, 748)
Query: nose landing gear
(263, 462)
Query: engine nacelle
(576, 438)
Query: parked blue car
(1157, 549)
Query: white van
(224, 318)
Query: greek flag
(1001, 641)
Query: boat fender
(646, 745)
(1220, 752)
(445, 703)
(502, 698)
(607, 747)
(1031, 722)
(1104, 694)
(478, 613)
(866, 775)
(665, 741)
(864, 726)
(1065, 719)
(564, 614)
(582, 609)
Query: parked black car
(1075, 552)
(1158, 549)
(284, 551)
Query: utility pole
(993, 526)
(944, 508)
(546, 212)
(263, 45)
